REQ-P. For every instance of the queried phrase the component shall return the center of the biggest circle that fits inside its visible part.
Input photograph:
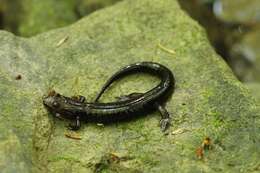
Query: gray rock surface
(208, 100)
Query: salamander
(128, 106)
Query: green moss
(254, 90)
(40, 16)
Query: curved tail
(146, 67)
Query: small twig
(62, 41)
(73, 135)
(179, 131)
(166, 49)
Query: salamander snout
(47, 100)
(51, 100)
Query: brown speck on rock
(200, 153)
(18, 77)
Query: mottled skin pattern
(128, 106)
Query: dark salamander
(75, 108)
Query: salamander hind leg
(165, 117)
(129, 96)
(76, 125)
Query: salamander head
(62, 106)
(54, 101)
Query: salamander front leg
(76, 125)
(165, 121)
(79, 98)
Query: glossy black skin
(77, 109)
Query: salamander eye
(55, 104)
(57, 95)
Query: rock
(254, 88)
(245, 57)
(30, 19)
(27, 17)
(10, 15)
(85, 7)
(214, 119)
(40, 16)
(232, 30)
(239, 11)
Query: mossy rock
(208, 100)
(254, 88)
(85, 7)
(27, 17)
(40, 16)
